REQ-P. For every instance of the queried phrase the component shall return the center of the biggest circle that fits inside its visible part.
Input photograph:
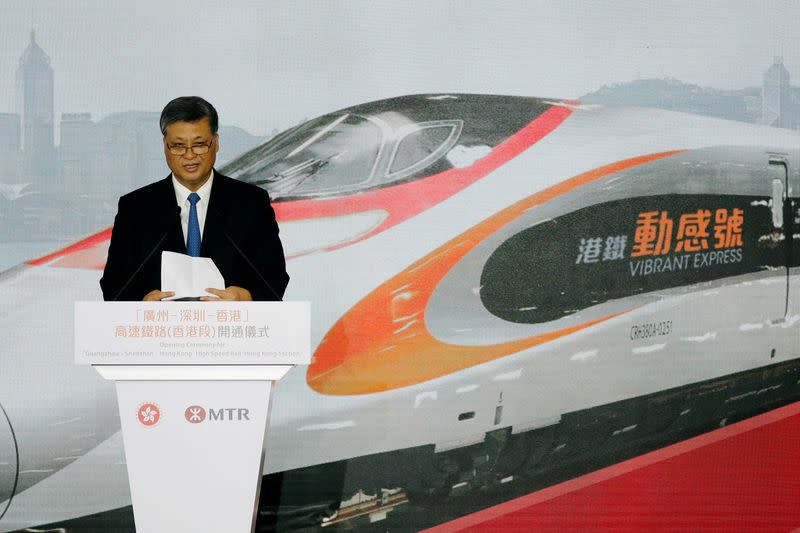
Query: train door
(8, 462)
(792, 219)
(782, 222)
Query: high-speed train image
(500, 286)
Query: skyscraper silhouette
(35, 108)
(776, 100)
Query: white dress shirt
(182, 197)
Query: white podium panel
(194, 381)
(194, 451)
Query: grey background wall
(81, 83)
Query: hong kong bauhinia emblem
(148, 414)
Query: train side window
(777, 203)
(778, 171)
(422, 144)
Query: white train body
(457, 368)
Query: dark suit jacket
(237, 213)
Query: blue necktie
(193, 233)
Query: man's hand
(230, 293)
(155, 296)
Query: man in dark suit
(198, 211)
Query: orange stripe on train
(382, 343)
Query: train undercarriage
(369, 488)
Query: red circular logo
(194, 414)
(148, 414)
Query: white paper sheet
(189, 276)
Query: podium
(194, 383)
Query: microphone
(176, 212)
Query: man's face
(190, 169)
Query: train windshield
(382, 143)
(326, 155)
(341, 153)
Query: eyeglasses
(197, 149)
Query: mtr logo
(196, 414)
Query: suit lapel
(216, 218)
(169, 217)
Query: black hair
(188, 109)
